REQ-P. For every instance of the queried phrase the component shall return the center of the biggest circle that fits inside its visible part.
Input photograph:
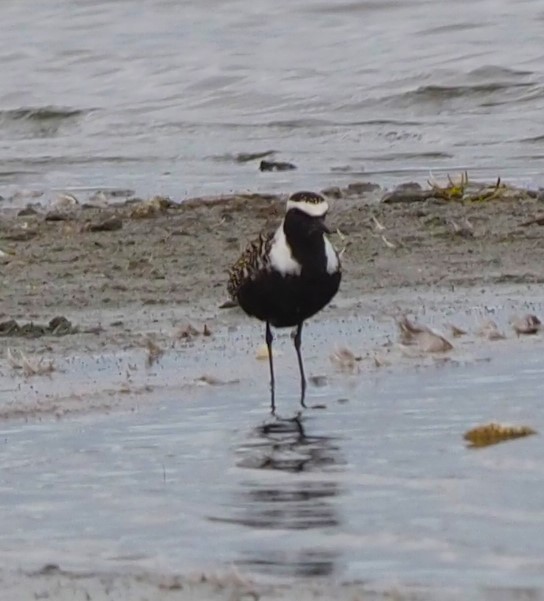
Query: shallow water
(161, 96)
(380, 488)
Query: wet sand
(161, 267)
(138, 299)
(168, 256)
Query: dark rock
(27, 212)
(356, 189)
(58, 326)
(276, 166)
(343, 169)
(32, 330)
(228, 304)
(332, 192)
(406, 193)
(359, 188)
(408, 186)
(58, 216)
(19, 235)
(9, 328)
(107, 224)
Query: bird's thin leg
(269, 339)
(298, 340)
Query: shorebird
(285, 277)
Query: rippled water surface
(161, 96)
(378, 488)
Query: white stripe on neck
(333, 263)
(281, 257)
(313, 209)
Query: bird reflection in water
(297, 496)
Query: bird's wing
(254, 259)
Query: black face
(304, 235)
(299, 224)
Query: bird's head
(310, 208)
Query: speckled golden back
(254, 259)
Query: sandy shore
(80, 279)
(143, 279)
(110, 266)
(137, 274)
(225, 586)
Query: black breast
(286, 301)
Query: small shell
(422, 337)
(490, 331)
(528, 324)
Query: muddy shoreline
(81, 259)
(126, 298)
(148, 277)
(115, 274)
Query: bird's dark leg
(298, 340)
(269, 339)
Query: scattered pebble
(538, 220)
(58, 326)
(28, 211)
(332, 192)
(188, 332)
(353, 190)
(154, 351)
(213, 381)
(318, 381)
(407, 193)
(104, 224)
(344, 359)
(58, 216)
(150, 208)
(20, 234)
(360, 188)
(457, 332)
(465, 229)
(380, 361)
